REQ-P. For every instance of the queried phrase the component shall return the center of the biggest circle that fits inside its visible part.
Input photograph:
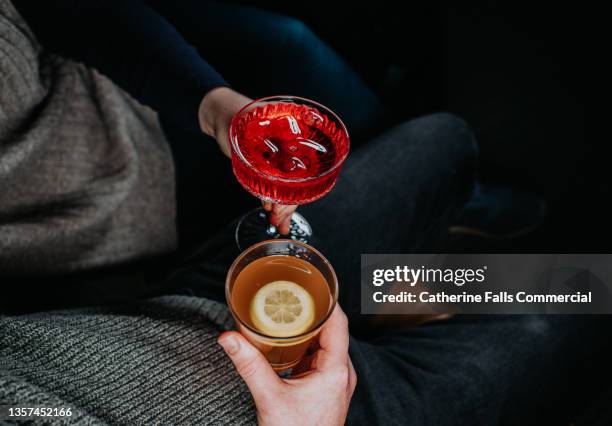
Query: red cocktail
(286, 150)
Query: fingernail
(229, 344)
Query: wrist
(210, 108)
(215, 114)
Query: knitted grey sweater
(154, 362)
(86, 180)
(86, 175)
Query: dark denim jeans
(396, 193)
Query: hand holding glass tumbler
(280, 293)
(320, 397)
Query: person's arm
(320, 397)
(137, 48)
(133, 45)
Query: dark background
(516, 72)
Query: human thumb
(250, 364)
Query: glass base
(255, 227)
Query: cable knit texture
(154, 362)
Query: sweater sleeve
(132, 44)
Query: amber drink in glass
(280, 293)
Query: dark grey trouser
(397, 193)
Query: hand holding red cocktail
(215, 115)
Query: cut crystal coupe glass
(285, 150)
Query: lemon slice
(282, 309)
